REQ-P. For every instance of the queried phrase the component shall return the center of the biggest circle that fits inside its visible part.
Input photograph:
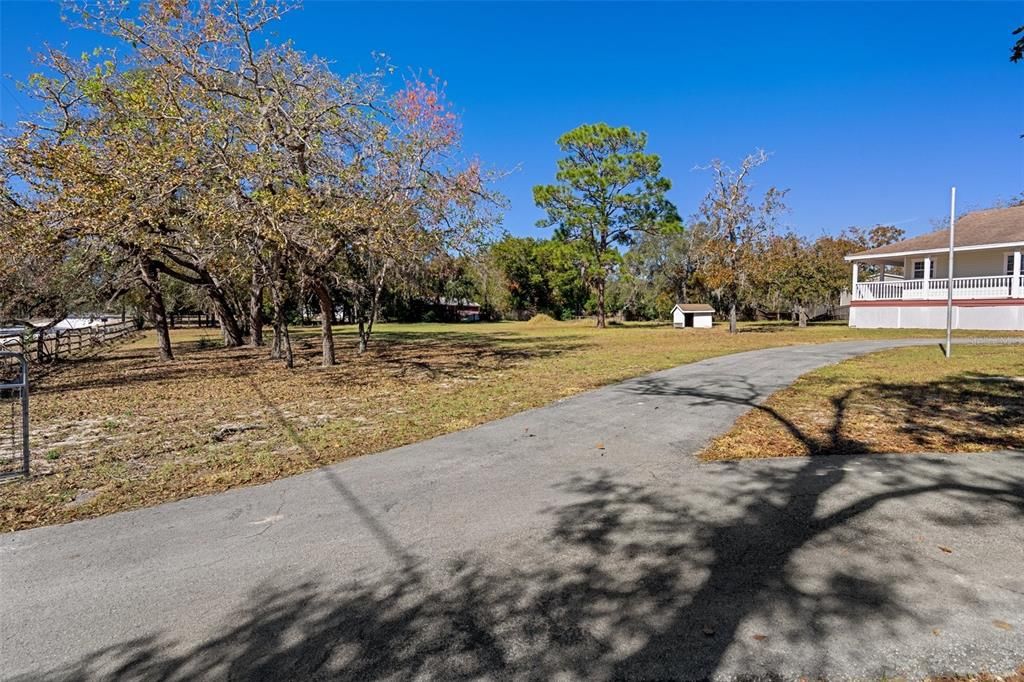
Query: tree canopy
(607, 190)
(247, 169)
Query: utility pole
(949, 281)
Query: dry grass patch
(540, 320)
(1015, 676)
(903, 401)
(124, 430)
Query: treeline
(782, 275)
(620, 247)
(202, 163)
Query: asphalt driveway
(581, 540)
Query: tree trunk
(732, 317)
(323, 297)
(157, 309)
(600, 303)
(366, 321)
(275, 344)
(289, 355)
(255, 314)
(41, 353)
(366, 328)
(226, 317)
(282, 341)
(802, 315)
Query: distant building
(692, 315)
(461, 310)
(988, 277)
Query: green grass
(137, 431)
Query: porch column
(927, 276)
(853, 288)
(1016, 291)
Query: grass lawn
(123, 430)
(903, 401)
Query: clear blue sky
(871, 111)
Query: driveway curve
(579, 540)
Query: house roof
(995, 226)
(694, 308)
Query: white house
(692, 315)
(988, 277)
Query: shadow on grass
(986, 411)
(630, 580)
(762, 326)
(449, 354)
(734, 390)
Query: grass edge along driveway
(906, 400)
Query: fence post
(24, 417)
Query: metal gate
(13, 415)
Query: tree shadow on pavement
(742, 392)
(630, 580)
(980, 410)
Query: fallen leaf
(935, 631)
(947, 550)
(1002, 625)
(599, 446)
(760, 637)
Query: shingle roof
(695, 307)
(994, 226)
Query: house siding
(965, 316)
(966, 264)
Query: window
(1009, 264)
(919, 269)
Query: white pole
(949, 281)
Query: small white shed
(692, 315)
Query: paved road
(581, 541)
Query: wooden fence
(175, 320)
(63, 344)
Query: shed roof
(977, 229)
(694, 308)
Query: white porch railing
(997, 286)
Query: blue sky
(871, 111)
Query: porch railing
(995, 286)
